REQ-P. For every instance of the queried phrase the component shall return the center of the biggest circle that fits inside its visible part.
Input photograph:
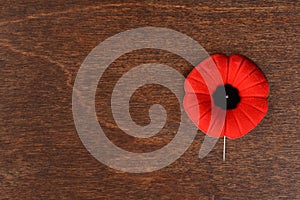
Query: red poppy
(244, 101)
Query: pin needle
(224, 149)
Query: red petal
(198, 107)
(232, 129)
(261, 90)
(222, 62)
(254, 106)
(247, 115)
(210, 72)
(216, 127)
(194, 83)
(255, 85)
(247, 68)
(235, 63)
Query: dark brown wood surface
(43, 43)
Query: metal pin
(224, 149)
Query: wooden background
(43, 43)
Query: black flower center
(228, 100)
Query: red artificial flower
(246, 91)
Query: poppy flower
(241, 94)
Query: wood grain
(43, 43)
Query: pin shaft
(224, 149)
